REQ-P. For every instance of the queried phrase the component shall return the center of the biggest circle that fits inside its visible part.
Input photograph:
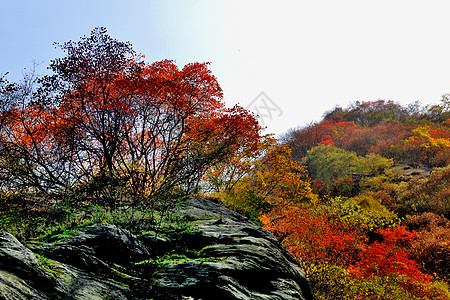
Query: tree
(441, 112)
(429, 144)
(390, 257)
(310, 234)
(255, 185)
(431, 194)
(31, 137)
(327, 132)
(225, 175)
(369, 113)
(124, 125)
(363, 213)
(334, 166)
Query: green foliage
(396, 288)
(410, 134)
(440, 112)
(362, 212)
(110, 126)
(175, 259)
(267, 181)
(379, 182)
(338, 168)
(49, 265)
(345, 155)
(369, 113)
(330, 282)
(350, 156)
(29, 218)
(328, 163)
(374, 164)
(246, 202)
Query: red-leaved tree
(107, 121)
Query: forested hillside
(361, 199)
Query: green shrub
(340, 169)
(246, 202)
(362, 212)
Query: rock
(225, 256)
(73, 283)
(110, 243)
(12, 287)
(407, 172)
(242, 260)
(97, 247)
(22, 276)
(16, 259)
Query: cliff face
(224, 257)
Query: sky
(287, 61)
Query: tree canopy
(106, 119)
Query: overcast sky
(289, 61)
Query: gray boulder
(225, 256)
(241, 260)
(97, 248)
(407, 172)
(22, 276)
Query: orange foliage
(390, 257)
(149, 126)
(312, 235)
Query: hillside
(105, 151)
(361, 199)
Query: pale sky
(297, 58)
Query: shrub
(390, 257)
(311, 234)
(432, 247)
(363, 213)
(426, 195)
(246, 202)
(426, 221)
(338, 168)
(329, 282)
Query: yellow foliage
(423, 133)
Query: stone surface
(225, 257)
(22, 276)
(19, 260)
(251, 263)
(407, 172)
(97, 248)
(110, 243)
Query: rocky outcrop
(223, 256)
(407, 172)
(23, 276)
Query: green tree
(328, 163)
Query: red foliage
(112, 115)
(376, 127)
(323, 133)
(389, 257)
(427, 144)
(312, 235)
